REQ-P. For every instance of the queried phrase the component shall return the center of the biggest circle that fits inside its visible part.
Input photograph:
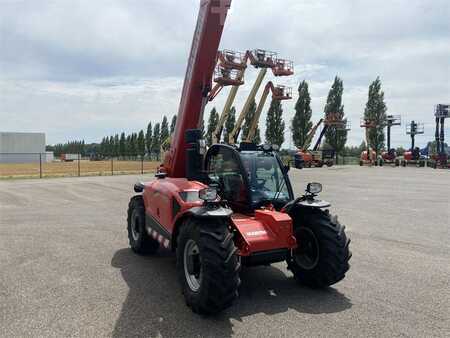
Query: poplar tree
(141, 143)
(116, 145)
(156, 144)
(212, 125)
(376, 111)
(173, 124)
(122, 145)
(336, 136)
(275, 124)
(229, 125)
(149, 138)
(164, 130)
(247, 122)
(301, 123)
(133, 145)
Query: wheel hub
(307, 253)
(192, 265)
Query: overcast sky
(86, 69)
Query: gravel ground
(66, 269)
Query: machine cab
(248, 179)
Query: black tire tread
(333, 250)
(146, 245)
(220, 265)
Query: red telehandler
(229, 207)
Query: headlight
(208, 194)
(314, 188)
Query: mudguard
(305, 202)
(320, 204)
(208, 212)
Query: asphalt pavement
(66, 269)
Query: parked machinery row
(315, 157)
(414, 156)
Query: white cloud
(86, 69)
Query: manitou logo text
(256, 233)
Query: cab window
(223, 168)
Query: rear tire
(140, 241)
(323, 254)
(209, 273)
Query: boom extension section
(260, 59)
(229, 71)
(310, 136)
(331, 120)
(237, 128)
(278, 93)
(230, 61)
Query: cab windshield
(267, 182)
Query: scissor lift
(440, 158)
(390, 156)
(413, 156)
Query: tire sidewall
(333, 248)
(136, 214)
(189, 231)
(144, 244)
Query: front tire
(207, 265)
(140, 241)
(322, 257)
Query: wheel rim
(192, 265)
(307, 254)
(135, 229)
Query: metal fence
(24, 165)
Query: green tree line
(156, 136)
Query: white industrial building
(22, 147)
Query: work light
(208, 194)
(314, 188)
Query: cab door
(225, 168)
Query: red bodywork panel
(388, 156)
(307, 156)
(266, 230)
(159, 197)
(408, 156)
(198, 80)
(365, 158)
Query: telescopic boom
(198, 80)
